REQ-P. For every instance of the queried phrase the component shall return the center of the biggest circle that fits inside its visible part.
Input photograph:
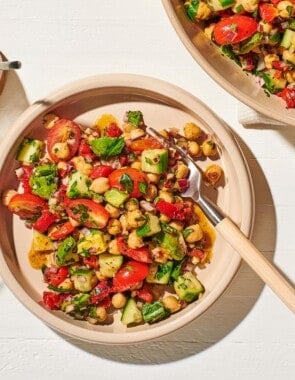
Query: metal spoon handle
(10, 65)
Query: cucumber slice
(109, 264)
(188, 287)
(160, 273)
(154, 161)
(153, 312)
(288, 38)
(131, 313)
(115, 197)
(30, 151)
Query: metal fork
(228, 229)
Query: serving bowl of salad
(97, 240)
(247, 47)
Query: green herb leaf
(134, 117)
(143, 187)
(107, 146)
(192, 9)
(127, 182)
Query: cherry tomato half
(87, 212)
(61, 231)
(53, 300)
(146, 143)
(63, 131)
(129, 275)
(44, 221)
(268, 12)
(27, 206)
(234, 29)
(101, 171)
(137, 177)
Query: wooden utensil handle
(255, 259)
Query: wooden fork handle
(255, 259)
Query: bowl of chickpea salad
(246, 46)
(97, 240)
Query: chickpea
(81, 165)
(134, 241)
(285, 9)
(178, 226)
(153, 178)
(250, 6)
(124, 224)
(61, 150)
(171, 303)
(289, 57)
(136, 165)
(114, 227)
(49, 120)
(269, 59)
(192, 131)
(99, 275)
(101, 314)
(164, 218)
(290, 76)
(203, 11)
(193, 233)
(213, 174)
(151, 193)
(132, 204)
(112, 210)
(113, 247)
(209, 148)
(194, 148)
(135, 219)
(166, 196)
(182, 171)
(119, 300)
(100, 185)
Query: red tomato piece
(288, 95)
(85, 151)
(172, 210)
(234, 29)
(45, 221)
(144, 294)
(100, 292)
(145, 143)
(63, 131)
(55, 275)
(92, 261)
(52, 300)
(101, 171)
(113, 130)
(87, 212)
(61, 231)
(267, 12)
(137, 177)
(27, 206)
(129, 275)
(139, 254)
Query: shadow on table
(222, 317)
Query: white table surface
(248, 333)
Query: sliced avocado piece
(42, 181)
(84, 279)
(109, 264)
(115, 197)
(188, 287)
(271, 83)
(78, 186)
(30, 151)
(170, 244)
(154, 161)
(65, 253)
(94, 242)
(151, 226)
